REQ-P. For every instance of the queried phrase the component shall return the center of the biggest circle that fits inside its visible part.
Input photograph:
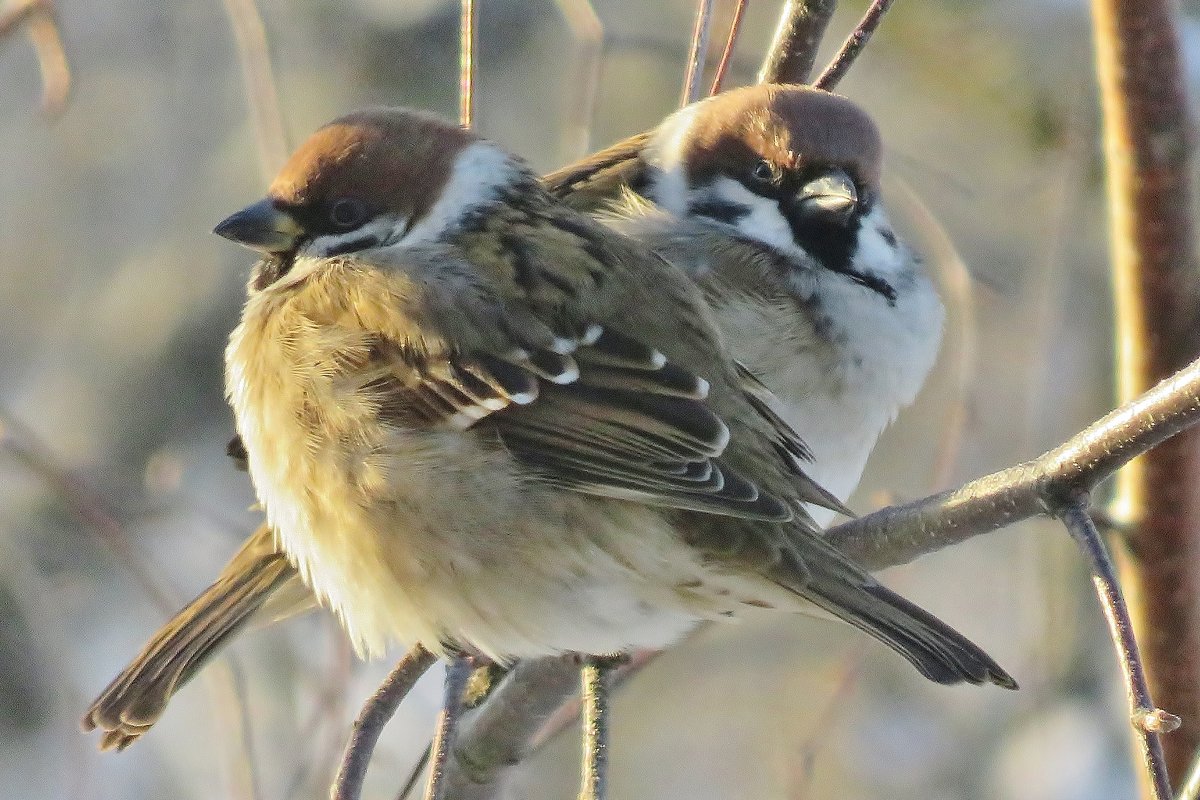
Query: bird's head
(791, 167)
(374, 178)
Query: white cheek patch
(480, 171)
(879, 251)
(764, 222)
(666, 151)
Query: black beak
(262, 227)
(833, 194)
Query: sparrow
(769, 198)
(745, 276)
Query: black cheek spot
(720, 210)
(353, 245)
(888, 237)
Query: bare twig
(594, 763)
(468, 49)
(348, 783)
(230, 693)
(588, 32)
(819, 736)
(853, 46)
(1149, 143)
(959, 346)
(735, 27)
(1147, 720)
(794, 48)
(899, 534)
(261, 94)
(571, 711)
(42, 26)
(457, 673)
(697, 52)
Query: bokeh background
(117, 300)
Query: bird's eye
(764, 172)
(347, 213)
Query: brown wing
(611, 417)
(598, 179)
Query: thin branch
(735, 27)
(571, 711)
(1147, 720)
(899, 534)
(697, 52)
(44, 33)
(348, 783)
(457, 673)
(594, 763)
(793, 50)
(468, 49)
(261, 93)
(853, 46)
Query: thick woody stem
(1147, 720)
(793, 50)
(500, 734)
(1148, 146)
(1190, 790)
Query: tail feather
(939, 652)
(131, 704)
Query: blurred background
(117, 301)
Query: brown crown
(392, 159)
(791, 126)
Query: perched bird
(752, 278)
(769, 198)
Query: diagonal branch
(697, 52)
(853, 46)
(735, 27)
(500, 735)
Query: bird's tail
(137, 697)
(939, 652)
